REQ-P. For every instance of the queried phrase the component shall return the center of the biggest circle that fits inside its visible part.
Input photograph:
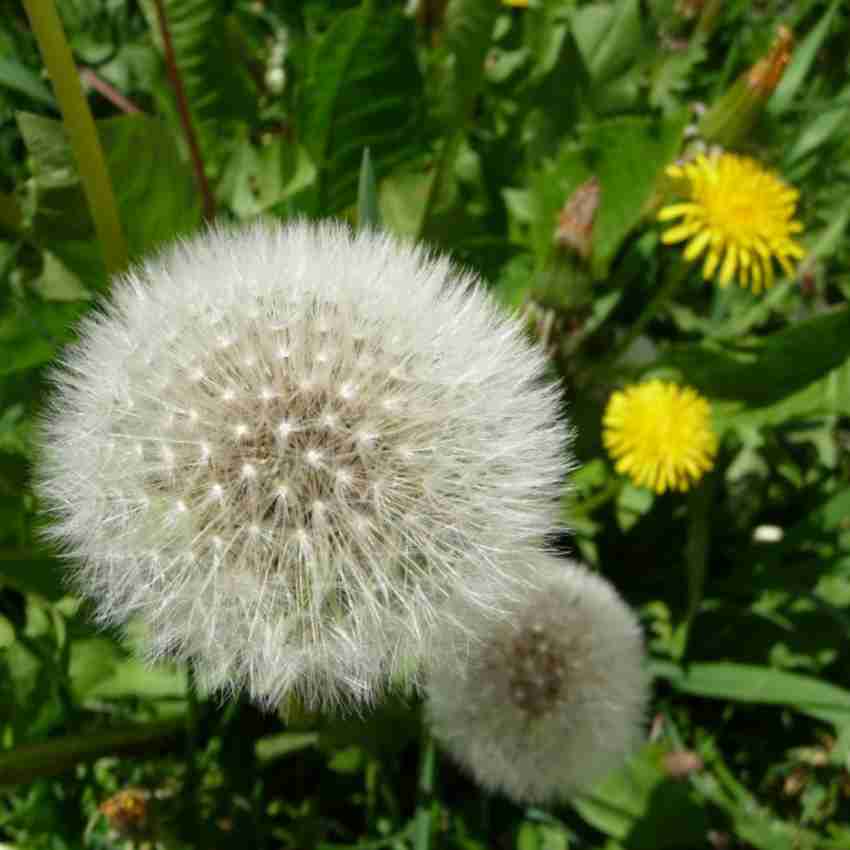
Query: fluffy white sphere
(283, 447)
(546, 702)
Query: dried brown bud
(719, 840)
(575, 222)
(795, 782)
(765, 75)
(681, 763)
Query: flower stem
(81, 130)
(190, 785)
(185, 115)
(56, 755)
(676, 273)
(696, 547)
(118, 100)
(425, 805)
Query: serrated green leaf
(363, 89)
(609, 36)
(207, 46)
(468, 32)
(628, 156)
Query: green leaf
(801, 62)
(402, 196)
(156, 192)
(628, 156)
(256, 178)
(15, 76)
(468, 32)
(30, 572)
(273, 747)
(363, 89)
(154, 187)
(208, 47)
(828, 396)
(57, 282)
(11, 217)
(609, 37)
(31, 331)
(368, 213)
(773, 367)
(93, 660)
(640, 806)
(754, 684)
(132, 677)
(831, 124)
(15, 428)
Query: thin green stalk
(697, 546)
(192, 729)
(81, 130)
(444, 160)
(609, 492)
(56, 755)
(676, 273)
(425, 805)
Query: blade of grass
(81, 130)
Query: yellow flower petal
(659, 435)
(679, 233)
(676, 211)
(742, 213)
(730, 263)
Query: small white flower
(546, 702)
(284, 447)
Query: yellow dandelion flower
(739, 214)
(659, 434)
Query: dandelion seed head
(322, 388)
(544, 702)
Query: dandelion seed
(545, 702)
(737, 214)
(660, 435)
(305, 579)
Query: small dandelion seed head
(660, 435)
(283, 346)
(545, 702)
(738, 215)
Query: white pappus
(546, 702)
(283, 447)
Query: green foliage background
(481, 121)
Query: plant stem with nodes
(207, 198)
(82, 133)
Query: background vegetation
(481, 121)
